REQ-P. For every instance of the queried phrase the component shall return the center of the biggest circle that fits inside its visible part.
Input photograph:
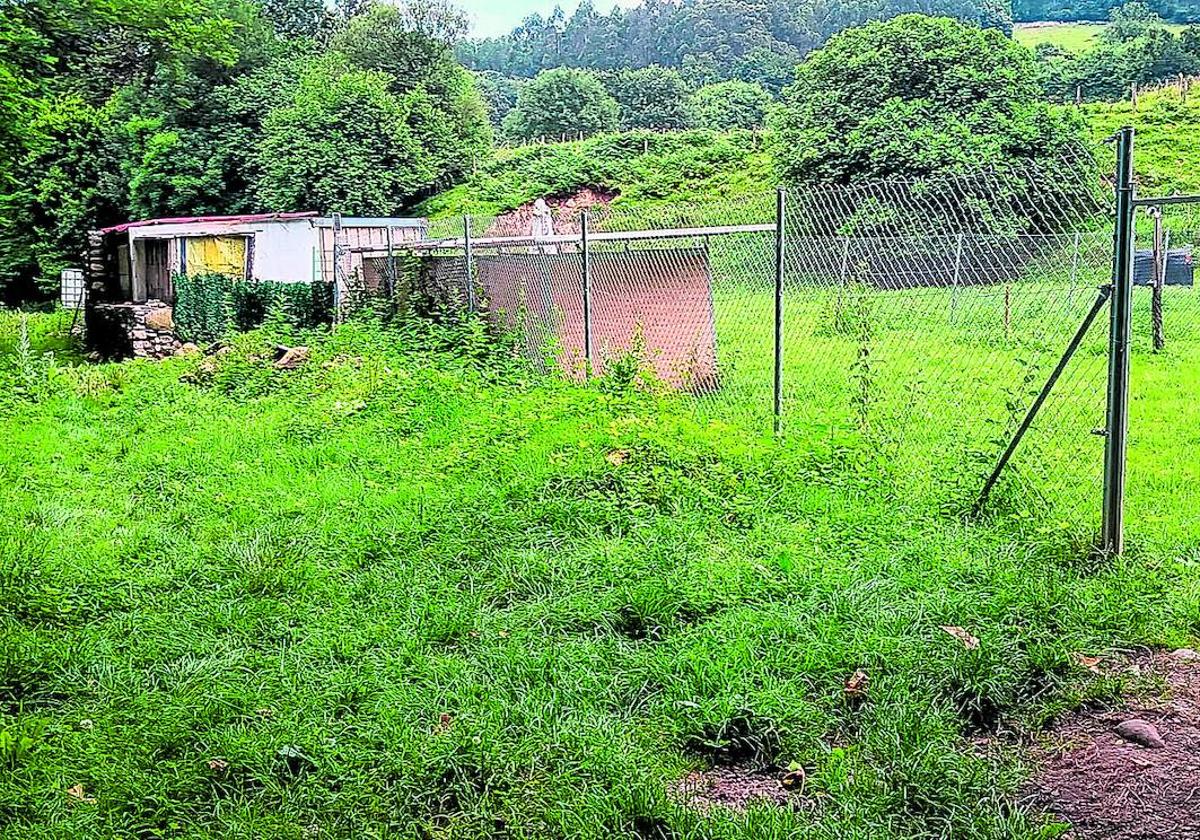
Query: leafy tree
(298, 18)
(920, 97)
(412, 44)
(342, 143)
(562, 102)
(652, 97)
(1133, 20)
(772, 69)
(499, 95)
(729, 105)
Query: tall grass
(410, 591)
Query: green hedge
(207, 306)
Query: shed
(137, 261)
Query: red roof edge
(181, 220)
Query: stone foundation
(132, 330)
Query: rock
(1186, 655)
(1139, 731)
(293, 358)
(160, 319)
(187, 349)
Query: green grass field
(416, 589)
(1167, 142)
(1075, 37)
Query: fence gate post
(1117, 421)
(780, 202)
(586, 263)
(469, 258)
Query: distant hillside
(1180, 11)
(708, 40)
(1074, 37)
(641, 168)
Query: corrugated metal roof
(185, 220)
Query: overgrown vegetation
(416, 588)
(1136, 47)
(126, 109)
(641, 167)
(209, 306)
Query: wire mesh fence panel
(1163, 500)
(689, 294)
(935, 321)
(930, 321)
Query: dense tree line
(757, 41)
(568, 103)
(119, 109)
(1136, 47)
(1177, 11)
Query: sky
(496, 17)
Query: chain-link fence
(927, 318)
(961, 328)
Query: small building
(138, 261)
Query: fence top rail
(563, 238)
(1165, 200)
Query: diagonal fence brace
(1072, 346)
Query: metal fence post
(586, 264)
(958, 255)
(339, 302)
(1117, 425)
(469, 258)
(780, 204)
(391, 272)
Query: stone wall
(132, 330)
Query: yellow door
(216, 255)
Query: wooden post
(1008, 311)
(1078, 95)
(1133, 95)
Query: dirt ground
(735, 787)
(1109, 787)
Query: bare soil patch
(735, 787)
(567, 210)
(1108, 779)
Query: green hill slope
(639, 167)
(643, 168)
(1167, 140)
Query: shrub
(562, 102)
(208, 306)
(728, 105)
